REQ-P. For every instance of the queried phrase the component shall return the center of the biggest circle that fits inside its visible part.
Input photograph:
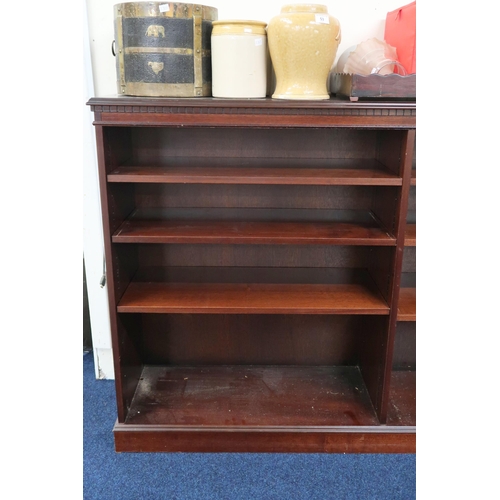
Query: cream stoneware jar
(239, 59)
(303, 42)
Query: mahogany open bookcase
(260, 260)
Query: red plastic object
(401, 33)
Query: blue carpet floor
(170, 476)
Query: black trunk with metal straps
(163, 49)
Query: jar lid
(238, 27)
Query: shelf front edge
(241, 298)
(143, 438)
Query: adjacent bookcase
(260, 260)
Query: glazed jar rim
(238, 26)
(239, 21)
(304, 7)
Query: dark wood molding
(248, 113)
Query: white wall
(93, 242)
(359, 20)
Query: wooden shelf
(402, 399)
(251, 408)
(234, 232)
(278, 171)
(411, 235)
(407, 310)
(413, 181)
(251, 396)
(242, 298)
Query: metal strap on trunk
(120, 55)
(198, 68)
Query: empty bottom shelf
(242, 395)
(243, 408)
(402, 399)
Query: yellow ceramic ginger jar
(303, 42)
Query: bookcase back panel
(187, 339)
